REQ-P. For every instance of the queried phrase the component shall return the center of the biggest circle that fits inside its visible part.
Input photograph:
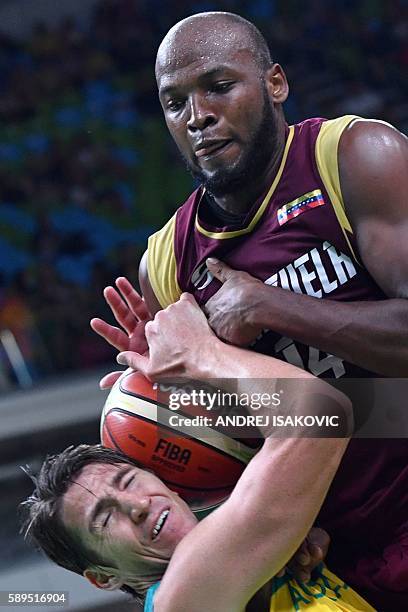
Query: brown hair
(41, 511)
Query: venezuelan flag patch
(300, 205)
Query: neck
(242, 200)
(141, 584)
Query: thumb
(219, 269)
(134, 360)
(109, 380)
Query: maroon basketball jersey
(298, 237)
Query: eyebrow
(203, 77)
(101, 503)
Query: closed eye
(128, 481)
(124, 477)
(101, 522)
(106, 520)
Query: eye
(222, 86)
(174, 105)
(106, 519)
(102, 522)
(128, 481)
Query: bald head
(211, 36)
(222, 99)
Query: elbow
(338, 407)
(321, 410)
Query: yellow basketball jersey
(325, 593)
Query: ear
(103, 578)
(277, 84)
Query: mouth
(158, 526)
(212, 149)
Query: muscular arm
(373, 164)
(234, 551)
(274, 504)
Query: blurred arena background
(87, 172)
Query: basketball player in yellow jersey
(221, 564)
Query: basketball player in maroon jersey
(289, 215)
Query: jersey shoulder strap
(326, 151)
(162, 265)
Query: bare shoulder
(373, 162)
(373, 171)
(368, 139)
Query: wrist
(262, 311)
(207, 360)
(224, 362)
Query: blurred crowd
(87, 170)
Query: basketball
(202, 469)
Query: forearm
(262, 378)
(266, 518)
(220, 360)
(372, 335)
(241, 371)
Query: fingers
(188, 297)
(134, 360)
(120, 310)
(115, 336)
(219, 269)
(133, 299)
(310, 554)
(185, 314)
(316, 553)
(300, 564)
(127, 306)
(109, 380)
(319, 538)
(302, 557)
(303, 575)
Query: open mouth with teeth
(160, 523)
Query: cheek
(247, 119)
(178, 132)
(120, 535)
(245, 111)
(119, 545)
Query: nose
(202, 115)
(136, 508)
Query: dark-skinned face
(218, 111)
